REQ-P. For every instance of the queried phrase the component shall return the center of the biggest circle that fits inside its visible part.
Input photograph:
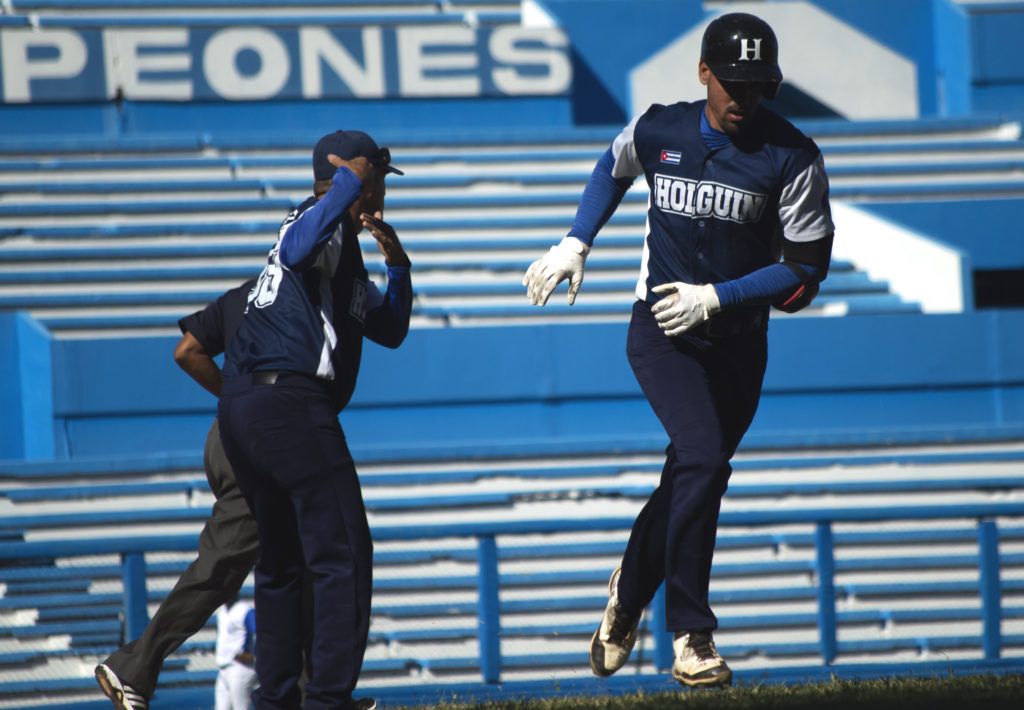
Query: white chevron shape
(841, 67)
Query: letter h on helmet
(742, 47)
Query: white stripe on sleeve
(627, 164)
(803, 206)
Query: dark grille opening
(999, 288)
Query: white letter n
(318, 45)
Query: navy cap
(349, 145)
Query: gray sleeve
(803, 205)
(627, 164)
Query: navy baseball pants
(704, 391)
(292, 464)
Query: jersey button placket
(704, 227)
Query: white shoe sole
(112, 687)
(595, 649)
(721, 680)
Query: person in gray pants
(228, 544)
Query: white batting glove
(564, 260)
(685, 306)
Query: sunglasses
(383, 156)
(383, 160)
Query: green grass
(977, 692)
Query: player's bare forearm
(192, 358)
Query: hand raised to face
(360, 166)
(387, 239)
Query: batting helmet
(741, 47)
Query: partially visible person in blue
(291, 368)
(738, 220)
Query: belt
(273, 377)
(294, 379)
(730, 325)
(266, 377)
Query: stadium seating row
(472, 214)
(89, 622)
(456, 501)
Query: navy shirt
(719, 212)
(314, 302)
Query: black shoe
(122, 695)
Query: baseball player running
(733, 186)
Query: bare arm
(191, 358)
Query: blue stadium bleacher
(277, 182)
(93, 620)
(773, 568)
(873, 521)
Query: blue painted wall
(997, 71)
(26, 390)
(953, 80)
(904, 26)
(966, 59)
(609, 39)
(558, 388)
(497, 114)
(11, 425)
(988, 230)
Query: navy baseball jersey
(715, 214)
(722, 209)
(313, 301)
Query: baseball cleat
(122, 695)
(697, 663)
(613, 641)
(364, 704)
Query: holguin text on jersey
(693, 198)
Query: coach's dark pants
(228, 549)
(705, 392)
(293, 465)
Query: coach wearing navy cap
(290, 370)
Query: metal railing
(486, 534)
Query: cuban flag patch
(672, 157)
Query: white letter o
(219, 63)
